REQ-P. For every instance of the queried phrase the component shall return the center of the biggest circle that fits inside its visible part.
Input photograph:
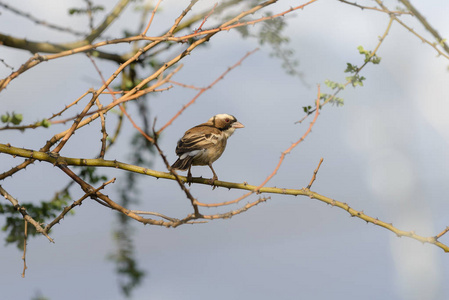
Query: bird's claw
(189, 179)
(212, 181)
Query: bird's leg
(189, 176)
(212, 180)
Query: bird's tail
(183, 164)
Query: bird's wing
(198, 138)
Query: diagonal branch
(111, 17)
(202, 90)
(41, 22)
(426, 24)
(73, 205)
(24, 213)
(189, 195)
(151, 19)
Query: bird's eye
(227, 120)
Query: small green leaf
(375, 59)
(16, 118)
(350, 68)
(5, 118)
(362, 50)
(307, 109)
(45, 123)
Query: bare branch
(41, 22)
(206, 17)
(193, 201)
(24, 213)
(62, 161)
(397, 12)
(25, 237)
(151, 19)
(314, 174)
(74, 204)
(202, 90)
(426, 25)
(442, 233)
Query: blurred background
(385, 152)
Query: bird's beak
(237, 125)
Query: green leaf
(5, 118)
(334, 85)
(356, 80)
(375, 59)
(45, 123)
(307, 109)
(362, 50)
(16, 118)
(350, 68)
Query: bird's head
(226, 123)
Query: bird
(204, 144)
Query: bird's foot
(189, 179)
(211, 182)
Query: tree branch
(24, 213)
(426, 24)
(61, 162)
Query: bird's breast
(208, 155)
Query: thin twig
(71, 104)
(427, 26)
(24, 213)
(75, 124)
(149, 138)
(88, 189)
(103, 129)
(202, 90)
(233, 23)
(339, 89)
(111, 17)
(237, 211)
(141, 212)
(181, 16)
(74, 204)
(25, 237)
(442, 233)
(206, 17)
(186, 85)
(90, 14)
(6, 65)
(193, 201)
(100, 107)
(39, 123)
(151, 19)
(41, 22)
(314, 174)
(397, 12)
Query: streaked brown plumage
(205, 143)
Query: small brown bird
(205, 143)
